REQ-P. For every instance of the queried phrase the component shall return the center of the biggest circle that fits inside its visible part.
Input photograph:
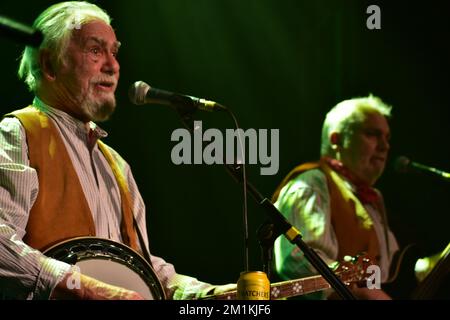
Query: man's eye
(371, 133)
(95, 50)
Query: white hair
(56, 24)
(345, 115)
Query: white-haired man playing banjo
(58, 181)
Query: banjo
(111, 262)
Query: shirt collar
(73, 123)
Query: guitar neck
(286, 289)
(353, 271)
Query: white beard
(96, 110)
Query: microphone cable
(244, 181)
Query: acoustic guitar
(404, 283)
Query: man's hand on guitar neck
(77, 286)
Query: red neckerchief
(364, 192)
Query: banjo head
(111, 262)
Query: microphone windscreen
(138, 92)
(401, 164)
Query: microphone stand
(279, 224)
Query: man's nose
(383, 144)
(111, 65)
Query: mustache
(104, 80)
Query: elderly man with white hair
(59, 182)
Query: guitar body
(437, 283)
(110, 262)
(403, 279)
(404, 285)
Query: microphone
(403, 164)
(20, 32)
(141, 93)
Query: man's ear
(335, 139)
(47, 64)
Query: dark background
(276, 64)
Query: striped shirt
(26, 273)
